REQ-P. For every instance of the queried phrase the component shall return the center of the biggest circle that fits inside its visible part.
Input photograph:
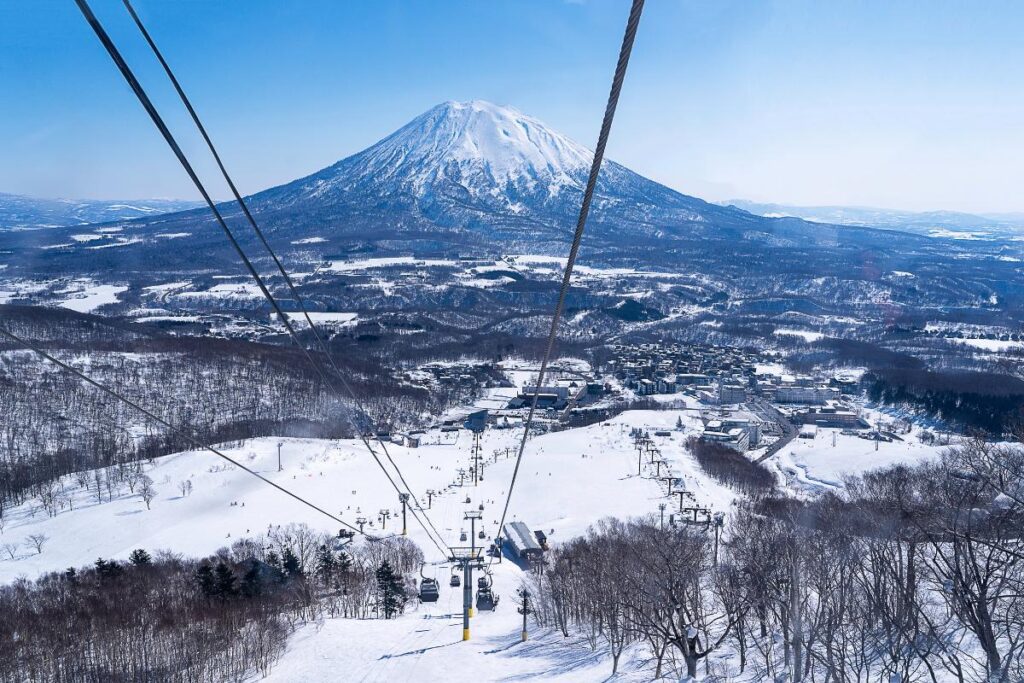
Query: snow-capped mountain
(470, 178)
(463, 162)
(479, 146)
(953, 224)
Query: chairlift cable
(147, 104)
(588, 195)
(321, 345)
(159, 420)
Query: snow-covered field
(994, 345)
(807, 335)
(568, 481)
(817, 464)
(92, 297)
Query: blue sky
(915, 105)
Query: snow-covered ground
(568, 481)
(329, 319)
(92, 297)
(995, 345)
(818, 464)
(807, 335)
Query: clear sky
(914, 105)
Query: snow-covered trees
(226, 617)
(146, 490)
(909, 574)
(634, 581)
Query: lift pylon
(466, 559)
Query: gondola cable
(154, 115)
(588, 195)
(321, 345)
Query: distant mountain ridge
(955, 224)
(23, 212)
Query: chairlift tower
(404, 500)
(525, 609)
(669, 481)
(466, 559)
(473, 516)
(683, 494)
(719, 520)
(477, 423)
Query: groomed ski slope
(568, 481)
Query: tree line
(162, 617)
(729, 467)
(214, 390)
(910, 573)
(978, 400)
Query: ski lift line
(156, 418)
(321, 346)
(168, 136)
(588, 195)
(158, 121)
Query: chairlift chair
(429, 590)
(486, 600)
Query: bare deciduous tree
(37, 541)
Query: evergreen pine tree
(290, 563)
(274, 560)
(326, 564)
(108, 570)
(205, 579)
(344, 562)
(225, 583)
(390, 591)
(251, 584)
(140, 558)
